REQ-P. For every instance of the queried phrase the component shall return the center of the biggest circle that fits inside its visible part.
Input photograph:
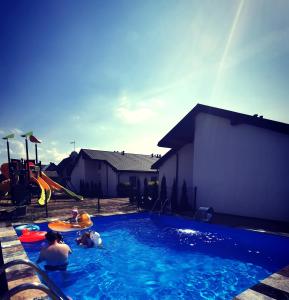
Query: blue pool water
(163, 257)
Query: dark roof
(122, 161)
(51, 167)
(183, 132)
(66, 166)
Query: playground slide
(45, 190)
(42, 197)
(57, 187)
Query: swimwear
(56, 268)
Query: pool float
(95, 237)
(32, 236)
(31, 227)
(84, 222)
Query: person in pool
(75, 216)
(74, 219)
(85, 240)
(55, 254)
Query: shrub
(163, 192)
(184, 201)
(174, 197)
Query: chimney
(152, 155)
(122, 152)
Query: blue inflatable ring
(31, 227)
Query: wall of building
(95, 171)
(186, 170)
(78, 173)
(168, 169)
(241, 170)
(100, 171)
(124, 176)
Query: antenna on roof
(73, 142)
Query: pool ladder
(162, 206)
(49, 287)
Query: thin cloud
(17, 148)
(17, 131)
(75, 117)
(53, 155)
(133, 112)
(274, 39)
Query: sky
(118, 75)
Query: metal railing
(163, 206)
(155, 204)
(28, 286)
(50, 288)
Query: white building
(112, 168)
(236, 163)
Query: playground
(22, 181)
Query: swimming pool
(164, 257)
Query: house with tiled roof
(110, 168)
(236, 163)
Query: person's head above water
(51, 236)
(59, 237)
(74, 211)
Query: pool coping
(275, 286)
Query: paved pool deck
(276, 286)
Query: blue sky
(118, 75)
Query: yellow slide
(57, 187)
(45, 194)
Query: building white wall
(100, 171)
(95, 171)
(78, 173)
(124, 176)
(241, 170)
(185, 171)
(168, 169)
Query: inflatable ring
(63, 226)
(31, 227)
(95, 237)
(32, 236)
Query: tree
(163, 192)
(138, 193)
(145, 193)
(173, 198)
(184, 201)
(155, 192)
